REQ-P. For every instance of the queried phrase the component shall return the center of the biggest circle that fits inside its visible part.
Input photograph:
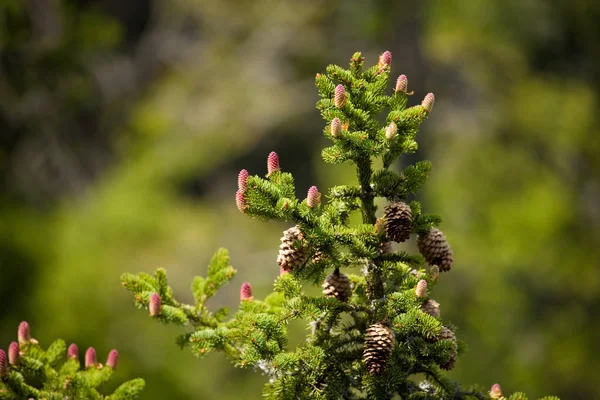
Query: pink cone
(240, 200)
(113, 358)
(242, 177)
(427, 102)
(154, 305)
(340, 97)
(272, 163)
(402, 84)
(283, 271)
(73, 351)
(421, 289)
(90, 357)
(14, 354)
(313, 198)
(336, 127)
(496, 391)
(385, 59)
(246, 292)
(3, 364)
(23, 333)
(391, 131)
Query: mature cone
(398, 221)
(431, 307)
(436, 250)
(379, 342)
(447, 334)
(337, 285)
(291, 257)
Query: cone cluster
(447, 334)
(379, 342)
(337, 285)
(398, 221)
(291, 257)
(436, 250)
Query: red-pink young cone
(402, 84)
(240, 200)
(496, 391)
(283, 271)
(113, 358)
(90, 357)
(272, 163)
(385, 59)
(336, 127)
(73, 351)
(340, 97)
(421, 289)
(14, 354)
(3, 364)
(23, 333)
(427, 102)
(313, 198)
(391, 131)
(154, 306)
(242, 177)
(246, 291)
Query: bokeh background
(123, 125)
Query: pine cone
(398, 221)
(379, 342)
(337, 285)
(431, 307)
(436, 250)
(291, 257)
(447, 334)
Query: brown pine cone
(379, 343)
(447, 334)
(436, 250)
(431, 307)
(398, 221)
(291, 257)
(337, 285)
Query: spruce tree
(27, 371)
(373, 335)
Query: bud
(14, 355)
(90, 357)
(427, 102)
(421, 289)
(336, 127)
(23, 333)
(272, 163)
(391, 131)
(340, 96)
(3, 364)
(240, 201)
(283, 271)
(73, 351)
(434, 272)
(242, 177)
(385, 59)
(154, 305)
(113, 358)
(313, 198)
(246, 292)
(496, 391)
(402, 84)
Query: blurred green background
(123, 125)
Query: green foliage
(386, 299)
(49, 374)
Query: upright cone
(291, 257)
(379, 342)
(337, 285)
(436, 250)
(398, 221)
